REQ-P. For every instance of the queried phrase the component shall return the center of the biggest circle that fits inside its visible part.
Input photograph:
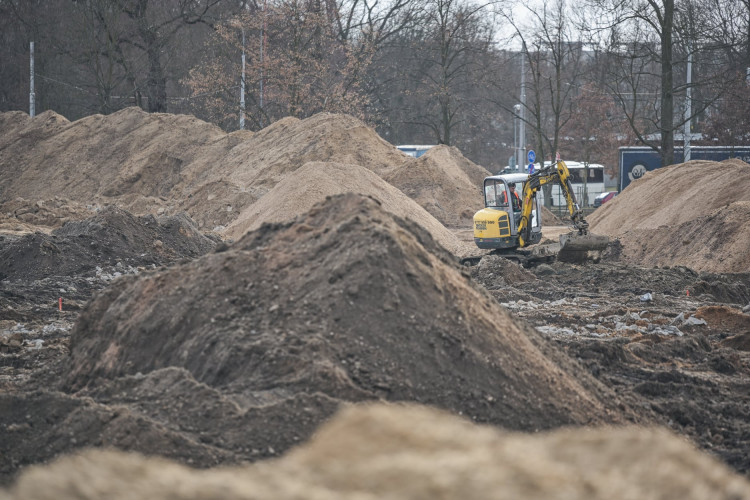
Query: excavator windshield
(493, 193)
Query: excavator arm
(572, 245)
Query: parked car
(604, 198)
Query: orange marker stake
(60, 303)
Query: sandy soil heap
(411, 452)
(143, 162)
(445, 183)
(693, 214)
(312, 183)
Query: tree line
(595, 75)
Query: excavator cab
(496, 226)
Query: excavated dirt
(172, 343)
(111, 239)
(403, 451)
(259, 342)
(693, 214)
(144, 162)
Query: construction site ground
(223, 299)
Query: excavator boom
(576, 245)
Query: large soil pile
(259, 342)
(322, 306)
(129, 157)
(692, 214)
(412, 452)
(145, 162)
(445, 183)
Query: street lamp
(516, 145)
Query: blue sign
(532, 156)
(531, 168)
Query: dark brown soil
(242, 353)
(681, 357)
(111, 239)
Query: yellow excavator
(509, 228)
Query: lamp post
(516, 144)
(32, 95)
(522, 133)
(242, 85)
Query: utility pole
(32, 97)
(262, 49)
(688, 106)
(522, 132)
(242, 85)
(516, 144)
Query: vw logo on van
(637, 172)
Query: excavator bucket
(578, 248)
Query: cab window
(493, 193)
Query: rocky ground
(671, 342)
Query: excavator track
(525, 257)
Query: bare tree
(153, 26)
(648, 44)
(441, 65)
(595, 130)
(296, 66)
(555, 64)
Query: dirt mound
(131, 157)
(221, 189)
(313, 182)
(325, 297)
(724, 318)
(249, 348)
(692, 214)
(47, 424)
(19, 133)
(495, 271)
(673, 195)
(445, 183)
(143, 162)
(716, 242)
(10, 122)
(287, 144)
(146, 163)
(413, 452)
(112, 238)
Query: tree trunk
(667, 95)
(156, 83)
